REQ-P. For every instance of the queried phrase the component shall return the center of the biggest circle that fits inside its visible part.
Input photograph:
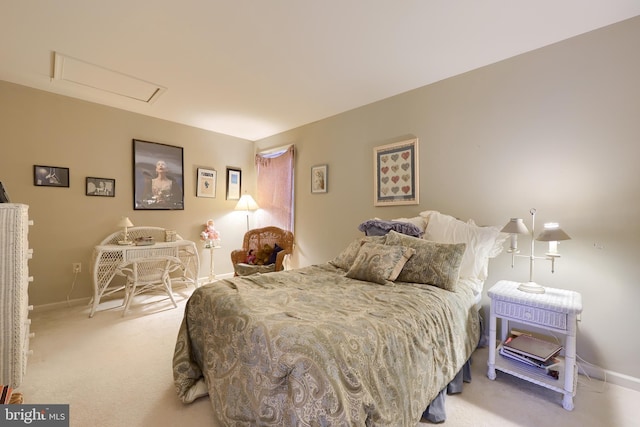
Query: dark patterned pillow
(436, 264)
(345, 259)
(379, 263)
(274, 254)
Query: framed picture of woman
(158, 176)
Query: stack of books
(532, 351)
(5, 394)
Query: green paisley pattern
(379, 263)
(436, 264)
(346, 258)
(311, 347)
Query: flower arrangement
(210, 235)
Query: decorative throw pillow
(380, 227)
(436, 264)
(418, 221)
(379, 263)
(480, 241)
(345, 259)
(274, 254)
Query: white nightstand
(556, 310)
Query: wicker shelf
(533, 374)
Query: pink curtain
(275, 189)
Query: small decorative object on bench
(144, 241)
(210, 236)
(170, 235)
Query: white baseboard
(608, 376)
(61, 304)
(87, 300)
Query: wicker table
(556, 310)
(108, 256)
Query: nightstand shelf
(556, 310)
(533, 374)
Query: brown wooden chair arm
(238, 255)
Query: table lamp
(552, 233)
(125, 222)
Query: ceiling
(252, 69)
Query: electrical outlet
(77, 267)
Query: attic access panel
(80, 73)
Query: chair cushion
(243, 269)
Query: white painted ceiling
(254, 68)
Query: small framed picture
(103, 187)
(319, 177)
(395, 172)
(50, 176)
(234, 183)
(206, 183)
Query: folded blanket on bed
(379, 227)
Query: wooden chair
(255, 239)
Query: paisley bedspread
(311, 347)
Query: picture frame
(101, 187)
(395, 174)
(158, 176)
(234, 183)
(206, 183)
(50, 176)
(319, 179)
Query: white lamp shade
(125, 222)
(246, 203)
(552, 233)
(515, 226)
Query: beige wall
(91, 140)
(556, 129)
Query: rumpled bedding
(311, 347)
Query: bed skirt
(435, 412)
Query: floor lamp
(246, 203)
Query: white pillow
(480, 241)
(498, 246)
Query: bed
(359, 340)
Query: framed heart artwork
(395, 171)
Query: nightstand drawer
(531, 314)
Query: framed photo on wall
(395, 174)
(50, 176)
(206, 183)
(158, 176)
(234, 183)
(319, 179)
(104, 187)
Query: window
(275, 188)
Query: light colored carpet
(116, 371)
